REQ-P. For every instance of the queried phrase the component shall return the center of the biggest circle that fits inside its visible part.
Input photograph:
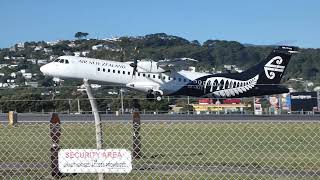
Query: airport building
(208, 105)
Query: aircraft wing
(175, 64)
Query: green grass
(290, 146)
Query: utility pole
(280, 103)
(121, 97)
(70, 108)
(188, 104)
(79, 109)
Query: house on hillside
(33, 61)
(27, 75)
(72, 44)
(3, 65)
(38, 48)
(32, 84)
(42, 61)
(52, 43)
(47, 50)
(12, 66)
(82, 53)
(97, 47)
(13, 75)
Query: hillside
(19, 64)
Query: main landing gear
(154, 95)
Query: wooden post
(55, 133)
(13, 118)
(136, 153)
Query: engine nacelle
(144, 87)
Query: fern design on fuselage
(227, 87)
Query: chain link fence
(173, 149)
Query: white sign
(94, 161)
(273, 100)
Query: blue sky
(292, 22)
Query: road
(26, 117)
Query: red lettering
(114, 155)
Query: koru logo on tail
(274, 65)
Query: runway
(43, 118)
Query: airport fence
(170, 149)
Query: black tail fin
(272, 68)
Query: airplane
(170, 77)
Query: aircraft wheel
(150, 97)
(159, 98)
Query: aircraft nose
(44, 69)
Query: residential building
(27, 75)
(32, 84)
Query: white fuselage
(148, 75)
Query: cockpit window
(64, 61)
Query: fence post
(55, 132)
(97, 119)
(136, 131)
(13, 118)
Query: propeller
(135, 67)
(135, 62)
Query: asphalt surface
(26, 117)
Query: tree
(80, 35)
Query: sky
(285, 22)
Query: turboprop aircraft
(170, 77)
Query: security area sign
(94, 161)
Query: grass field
(195, 148)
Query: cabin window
(159, 77)
(123, 72)
(128, 72)
(104, 70)
(174, 78)
(144, 75)
(114, 71)
(98, 69)
(154, 76)
(118, 71)
(169, 78)
(148, 75)
(184, 80)
(108, 70)
(61, 61)
(138, 74)
(163, 77)
(67, 62)
(179, 79)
